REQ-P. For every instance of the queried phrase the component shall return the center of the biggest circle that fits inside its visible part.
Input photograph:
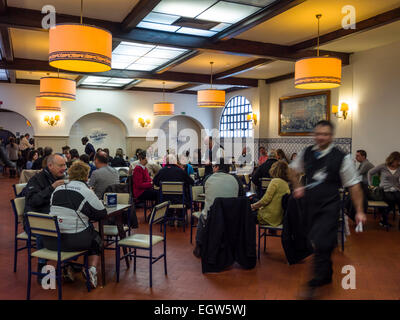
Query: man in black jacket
(39, 190)
(172, 172)
(263, 172)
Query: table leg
(120, 225)
(102, 258)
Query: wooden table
(117, 213)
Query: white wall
(376, 124)
(371, 87)
(14, 122)
(128, 106)
(98, 123)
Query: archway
(103, 130)
(14, 124)
(180, 134)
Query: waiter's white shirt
(348, 172)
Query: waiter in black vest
(326, 169)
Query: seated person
(33, 156)
(74, 204)
(142, 184)
(263, 171)
(389, 174)
(151, 166)
(103, 176)
(38, 164)
(184, 162)
(270, 211)
(85, 158)
(39, 190)
(172, 172)
(74, 155)
(364, 165)
(263, 155)
(118, 160)
(220, 184)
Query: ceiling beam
(7, 51)
(142, 9)
(362, 26)
(242, 68)
(31, 19)
(265, 14)
(280, 78)
(39, 65)
(184, 87)
(79, 80)
(185, 57)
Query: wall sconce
(344, 109)
(144, 122)
(52, 121)
(252, 117)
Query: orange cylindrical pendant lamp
(80, 48)
(47, 105)
(57, 88)
(318, 73)
(163, 108)
(211, 98)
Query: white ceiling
(115, 10)
(269, 70)
(299, 23)
(37, 75)
(28, 44)
(159, 84)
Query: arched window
(234, 121)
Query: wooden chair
(18, 206)
(146, 242)
(177, 189)
(196, 206)
(46, 225)
(375, 205)
(18, 187)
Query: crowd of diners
(71, 186)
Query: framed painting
(299, 114)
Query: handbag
(375, 194)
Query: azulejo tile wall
(295, 144)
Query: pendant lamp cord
(211, 63)
(163, 90)
(318, 17)
(81, 11)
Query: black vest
(329, 166)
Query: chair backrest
(202, 172)
(123, 172)
(42, 224)
(172, 188)
(159, 212)
(18, 205)
(265, 183)
(26, 175)
(18, 187)
(122, 198)
(196, 191)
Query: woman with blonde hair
(270, 211)
(73, 203)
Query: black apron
(323, 199)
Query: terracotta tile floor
(375, 255)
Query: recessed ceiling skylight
(166, 16)
(106, 82)
(3, 74)
(135, 56)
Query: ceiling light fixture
(47, 105)
(211, 98)
(79, 47)
(54, 88)
(318, 72)
(163, 108)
